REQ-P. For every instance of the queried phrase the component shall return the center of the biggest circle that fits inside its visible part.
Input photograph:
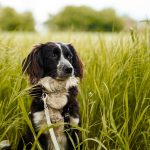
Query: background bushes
(10, 20)
(86, 19)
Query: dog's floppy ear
(76, 62)
(33, 64)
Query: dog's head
(57, 60)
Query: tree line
(70, 18)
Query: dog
(54, 68)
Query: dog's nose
(68, 70)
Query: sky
(137, 9)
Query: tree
(85, 19)
(10, 20)
(110, 21)
(27, 22)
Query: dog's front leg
(72, 118)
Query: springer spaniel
(54, 68)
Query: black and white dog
(56, 69)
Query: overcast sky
(137, 9)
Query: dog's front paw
(74, 121)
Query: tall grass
(114, 93)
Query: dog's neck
(53, 85)
(58, 90)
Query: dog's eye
(55, 53)
(69, 57)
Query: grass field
(114, 93)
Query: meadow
(114, 94)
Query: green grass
(114, 93)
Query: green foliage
(114, 94)
(86, 19)
(10, 20)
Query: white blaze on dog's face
(57, 60)
(64, 66)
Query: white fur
(74, 121)
(58, 90)
(59, 46)
(4, 144)
(39, 120)
(72, 81)
(53, 85)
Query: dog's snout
(68, 70)
(64, 68)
